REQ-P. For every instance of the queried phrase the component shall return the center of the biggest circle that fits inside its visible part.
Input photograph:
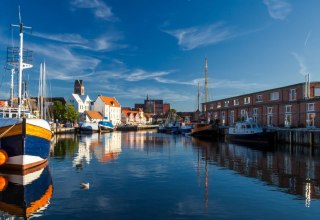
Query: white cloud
(303, 68)
(198, 36)
(101, 10)
(104, 42)
(140, 74)
(278, 9)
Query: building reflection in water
(104, 147)
(25, 194)
(108, 147)
(292, 171)
(145, 140)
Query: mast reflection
(293, 172)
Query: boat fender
(3, 183)
(3, 157)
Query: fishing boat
(25, 194)
(185, 128)
(105, 125)
(249, 132)
(24, 139)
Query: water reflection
(105, 147)
(291, 171)
(25, 194)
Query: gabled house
(109, 107)
(135, 117)
(81, 103)
(91, 116)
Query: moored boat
(89, 127)
(105, 125)
(206, 131)
(250, 133)
(24, 139)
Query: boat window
(248, 126)
(14, 115)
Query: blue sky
(129, 49)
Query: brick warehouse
(295, 105)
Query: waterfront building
(295, 105)
(135, 117)
(154, 106)
(81, 103)
(91, 116)
(108, 107)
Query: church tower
(79, 87)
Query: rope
(7, 131)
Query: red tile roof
(110, 101)
(94, 115)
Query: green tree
(58, 111)
(70, 114)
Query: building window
(288, 109)
(232, 117)
(259, 98)
(269, 116)
(287, 120)
(274, 96)
(310, 107)
(226, 104)
(211, 106)
(236, 102)
(292, 94)
(247, 100)
(243, 113)
(255, 114)
(219, 105)
(316, 91)
(223, 118)
(310, 119)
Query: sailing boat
(24, 139)
(207, 129)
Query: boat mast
(21, 65)
(206, 80)
(11, 87)
(198, 96)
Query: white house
(81, 103)
(108, 107)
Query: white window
(243, 112)
(310, 107)
(247, 100)
(236, 102)
(269, 110)
(232, 117)
(226, 104)
(288, 109)
(255, 111)
(259, 98)
(211, 106)
(274, 96)
(316, 91)
(219, 105)
(292, 94)
(287, 120)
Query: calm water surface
(147, 175)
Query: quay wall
(309, 137)
(136, 127)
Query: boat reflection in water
(25, 194)
(105, 147)
(295, 172)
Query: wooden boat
(207, 131)
(24, 139)
(249, 132)
(25, 194)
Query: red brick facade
(282, 107)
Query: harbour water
(148, 175)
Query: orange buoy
(3, 157)
(3, 183)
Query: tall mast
(206, 80)
(21, 64)
(198, 96)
